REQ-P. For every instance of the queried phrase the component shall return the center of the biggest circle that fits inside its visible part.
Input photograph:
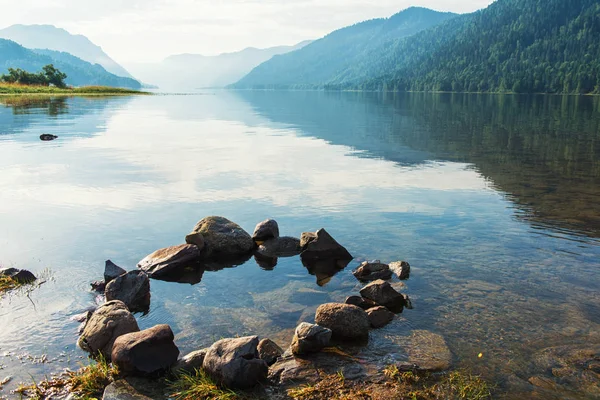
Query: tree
(54, 76)
(49, 76)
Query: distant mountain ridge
(190, 71)
(328, 58)
(79, 72)
(57, 39)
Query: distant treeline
(48, 76)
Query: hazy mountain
(326, 59)
(190, 71)
(53, 38)
(79, 72)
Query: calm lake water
(494, 201)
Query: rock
(19, 275)
(401, 268)
(122, 390)
(384, 294)
(112, 271)
(147, 352)
(285, 246)
(98, 286)
(310, 338)
(407, 302)
(265, 230)
(47, 137)
(171, 260)
(132, 288)
(361, 302)
(104, 326)
(345, 320)
(379, 316)
(429, 351)
(323, 269)
(235, 362)
(371, 271)
(190, 362)
(321, 245)
(221, 237)
(269, 351)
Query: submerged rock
(384, 294)
(19, 275)
(345, 321)
(320, 245)
(132, 288)
(122, 390)
(112, 271)
(429, 351)
(361, 302)
(221, 237)
(235, 362)
(310, 338)
(104, 326)
(148, 352)
(379, 316)
(191, 361)
(170, 260)
(401, 268)
(269, 351)
(285, 246)
(265, 230)
(371, 271)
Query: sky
(132, 31)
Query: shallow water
(492, 199)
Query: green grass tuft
(197, 386)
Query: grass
(13, 88)
(198, 385)
(86, 383)
(7, 283)
(411, 385)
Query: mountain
(327, 59)
(79, 72)
(53, 38)
(527, 46)
(191, 71)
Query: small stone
(384, 294)
(407, 302)
(310, 338)
(265, 230)
(371, 271)
(401, 268)
(379, 316)
(98, 286)
(112, 271)
(269, 351)
(191, 361)
(321, 245)
(132, 288)
(344, 320)
(47, 137)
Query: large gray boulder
(112, 271)
(372, 270)
(221, 237)
(19, 275)
(104, 326)
(320, 245)
(132, 288)
(384, 294)
(310, 338)
(148, 352)
(345, 321)
(170, 260)
(284, 246)
(235, 362)
(265, 230)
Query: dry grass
(7, 283)
(15, 88)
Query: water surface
(492, 199)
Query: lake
(494, 201)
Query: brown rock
(401, 268)
(269, 351)
(361, 302)
(371, 271)
(310, 338)
(265, 230)
(322, 246)
(191, 361)
(132, 288)
(384, 294)
(221, 237)
(344, 320)
(148, 352)
(379, 316)
(170, 260)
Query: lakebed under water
(492, 199)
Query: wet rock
(19, 275)
(429, 351)
(122, 390)
(269, 351)
(112, 271)
(170, 260)
(384, 294)
(132, 288)
(323, 269)
(321, 245)
(401, 268)
(361, 302)
(235, 362)
(221, 237)
(380, 316)
(104, 326)
(98, 286)
(47, 137)
(285, 246)
(265, 230)
(371, 271)
(148, 352)
(407, 302)
(191, 361)
(310, 338)
(345, 320)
